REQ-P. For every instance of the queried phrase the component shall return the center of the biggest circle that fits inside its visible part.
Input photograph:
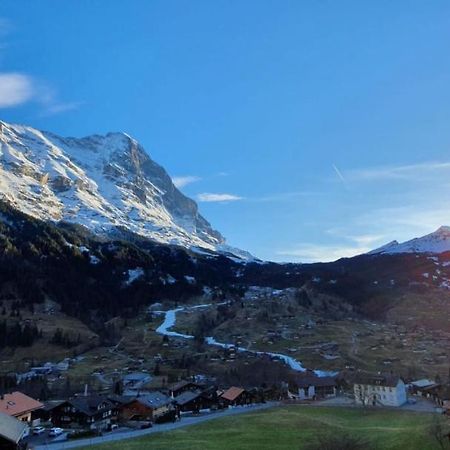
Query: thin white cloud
(60, 107)
(5, 26)
(47, 97)
(19, 88)
(322, 253)
(357, 245)
(367, 240)
(283, 196)
(15, 89)
(412, 172)
(408, 221)
(181, 182)
(208, 197)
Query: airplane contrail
(339, 174)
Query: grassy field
(292, 427)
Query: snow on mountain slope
(101, 182)
(436, 242)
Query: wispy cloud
(282, 196)
(321, 252)
(209, 197)
(15, 89)
(278, 197)
(5, 26)
(181, 182)
(50, 102)
(407, 221)
(412, 172)
(19, 88)
(356, 245)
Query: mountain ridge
(102, 182)
(436, 242)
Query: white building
(380, 390)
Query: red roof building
(235, 396)
(19, 405)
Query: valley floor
(293, 427)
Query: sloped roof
(17, 403)
(423, 383)
(136, 377)
(51, 404)
(154, 400)
(121, 399)
(181, 384)
(232, 393)
(378, 380)
(187, 396)
(90, 405)
(11, 429)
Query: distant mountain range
(436, 242)
(105, 183)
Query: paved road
(422, 405)
(184, 422)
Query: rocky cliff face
(102, 182)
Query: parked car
(146, 425)
(38, 430)
(56, 431)
(112, 427)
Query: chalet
(313, 387)
(379, 390)
(195, 401)
(45, 413)
(93, 412)
(146, 407)
(183, 386)
(19, 405)
(236, 396)
(119, 402)
(11, 432)
(436, 392)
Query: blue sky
(307, 130)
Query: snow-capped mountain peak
(436, 242)
(386, 248)
(102, 182)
